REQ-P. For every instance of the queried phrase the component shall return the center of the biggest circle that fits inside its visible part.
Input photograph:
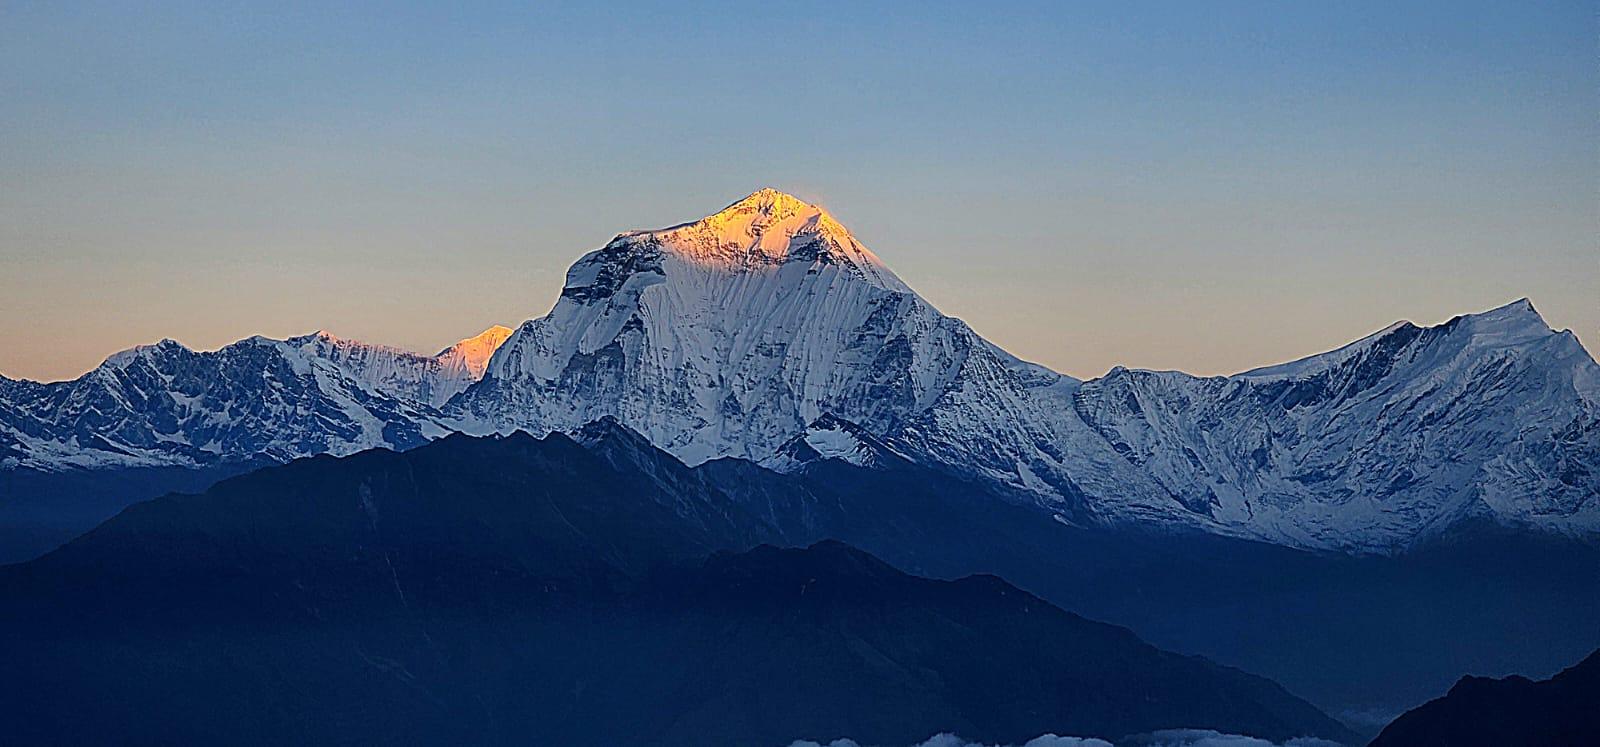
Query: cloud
(1051, 740)
(951, 740)
(1209, 738)
(1166, 738)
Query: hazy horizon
(1155, 186)
(555, 291)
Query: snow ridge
(1380, 444)
(167, 405)
(729, 335)
(766, 331)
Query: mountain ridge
(732, 335)
(515, 589)
(1507, 710)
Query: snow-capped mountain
(767, 332)
(429, 379)
(1395, 436)
(729, 335)
(165, 404)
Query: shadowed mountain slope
(1513, 710)
(514, 589)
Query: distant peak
(319, 337)
(769, 201)
(1515, 323)
(769, 208)
(124, 357)
(764, 229)
(1519, 310)
(492, 336)
(474, 352)
(1509, 324)
(324, 339)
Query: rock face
(767, 327)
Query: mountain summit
(164, 405)
(729, 335)
(765, 227)
(762, 233)
(733, 334)
(739, 333)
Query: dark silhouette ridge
(509, 590)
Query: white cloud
(1051, 740)
(951, 740)
(1167, 738)
(1209, 738)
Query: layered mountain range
(766, 332)
(544, 591)
(167, 405)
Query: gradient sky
(1205, 186)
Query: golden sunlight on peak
(770, 202)
(474, 352)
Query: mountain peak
(771, 202)
(484, 343)
(768, 211)
(765, 229)
(1519, 312)
(1512, 324)
(124, 357)
(472, 354)
(1515, 323)
(768, 217)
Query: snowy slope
(767, 332)
(729, 335)
(1369, 447)
(429, 379)
(737, 334)
(165, 404)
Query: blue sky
(1206, 186)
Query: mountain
(736, 334)
(161, 418)
(1362, 636)
(431, 380)
(1512, 710)
(167, 405)
(730, 335)
(1382, 443)
(522, 590)
(754, 332)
